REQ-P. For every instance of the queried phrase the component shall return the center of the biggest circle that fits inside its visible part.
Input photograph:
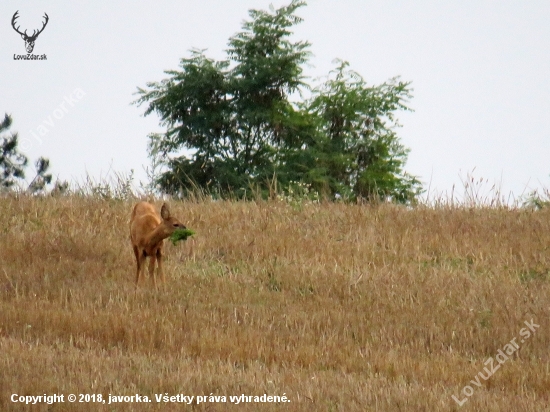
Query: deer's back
(143, 221)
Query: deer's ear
(165, 212)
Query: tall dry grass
(340, 307)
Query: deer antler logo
(29, 40)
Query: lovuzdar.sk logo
(29, 39)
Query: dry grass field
(337, 307)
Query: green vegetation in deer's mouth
(181, 234)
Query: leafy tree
(234, 115)
(41, 179)
(231, 125)
(357, 152)
(13, 163)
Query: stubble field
(336, 307)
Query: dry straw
(341, 307)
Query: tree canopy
(232, 126)
(13, 162)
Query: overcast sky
(479, 69)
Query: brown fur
(147, 233)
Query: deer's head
(29, 40)
(169, 223)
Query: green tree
(231, 124)
(13, 163)
(41, 178)
(233, 117)
(357, 152)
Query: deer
(147, 233)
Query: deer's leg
(152, 260)
(140, 259)
(160, 270)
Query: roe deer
(147, 233)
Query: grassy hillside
(338, 307)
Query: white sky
(479, 69)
